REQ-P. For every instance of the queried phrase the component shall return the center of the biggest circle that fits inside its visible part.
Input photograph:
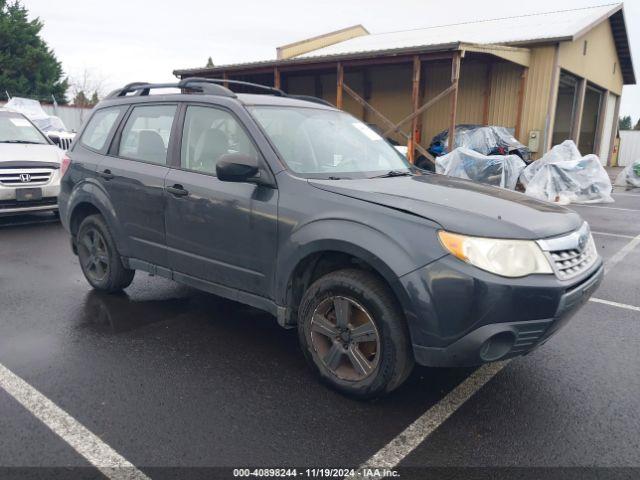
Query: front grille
(65, 143)
(569, 263)
(7, 204)
(26, 176)
(572, 254)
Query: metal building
(549, 76)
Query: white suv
(30, 166)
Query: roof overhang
(518, 55)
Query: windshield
(16, 129)
(327, 143)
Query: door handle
(106, 174)
(177, 190)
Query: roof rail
(143, 88)
(209, 86)
(310, 98)
(218, 81)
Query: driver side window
(208, 134)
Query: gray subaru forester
(291, 206)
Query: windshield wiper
(394, 173)
(21, 141)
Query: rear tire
(99, 258)
(354, 335)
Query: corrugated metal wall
(629, 147)
(391, 92)
(536, 100)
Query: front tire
(99, 259)
(354, 335)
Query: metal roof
(564, 25)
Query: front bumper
(469, 317)
(50, 191)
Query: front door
(133, 175)
(221, 232)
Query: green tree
(94, 99)
(28, 67)
(209, 63)
(637, 127)
(80, 99)
(624, 123)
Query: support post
(276, 77)
(487, 94)
(614, 132)
(521, 94)
(339, 85)
(225, 77)
(577, 114)
(415, 103)
(455, 77)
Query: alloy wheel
(94, 254)
(345, 338)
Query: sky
(120, 41)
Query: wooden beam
(386, 121)
(455, 78)
(415, 103)
(366, 91)
(339, 85)
(276, 77)
(577, 114)
(521, 95)
(487, 94)
(225, 77)
(424, 107)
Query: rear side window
(145, 136)
(97, 131)
(208, 134)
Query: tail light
(64, 165)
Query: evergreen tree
(28, 67)
(624, 123)
(637, 127)
(210, 63)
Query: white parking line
(619, 235)
(615, 304)
(397, 449)
(619, 255)
(605, 208)
(625, 194)
(412, 436)
(94, 450)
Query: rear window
(99, 127)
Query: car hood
(461, 206)
(17, 152)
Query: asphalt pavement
(183, 384)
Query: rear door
(221, 232)
(133, 175)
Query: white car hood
(11, 152)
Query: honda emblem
(25, 177)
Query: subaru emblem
(25, 177)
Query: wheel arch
(311, 258)
(89, 198)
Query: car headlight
(509, 258)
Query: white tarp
(498, 170)
(564, 176)
(630, 176)
(34, 112)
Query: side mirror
(237, 167)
